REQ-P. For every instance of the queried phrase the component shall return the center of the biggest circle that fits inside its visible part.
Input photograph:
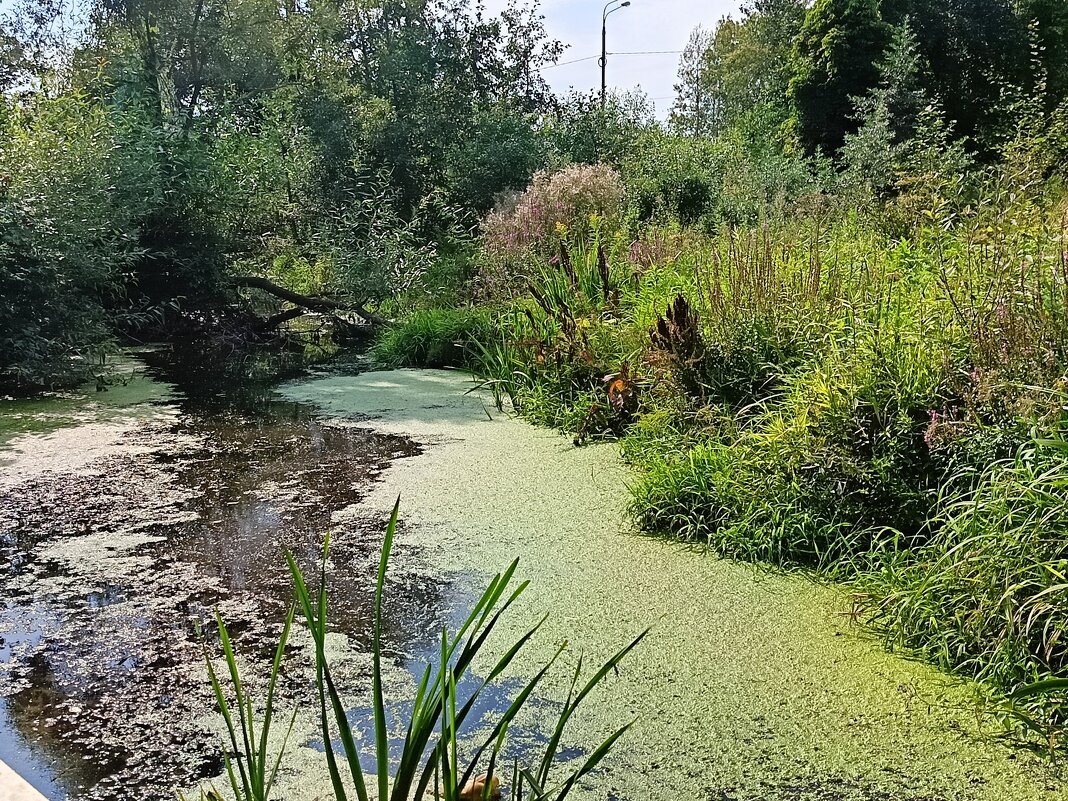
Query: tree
(502, 151)
(1050, 19)
(728, 92)
(439, 65)
(581, 132)
(13, 65)
(755, 65)
(773, 25)
(692, 113)
(745, 71)
(977, 52)
(315, 151)
(835, 58)
(60, 272)
(888, 118)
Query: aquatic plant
(256, 771)
(430, 758)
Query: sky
(647, 25)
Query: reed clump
(436, 757)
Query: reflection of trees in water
(35, 711)
(106, 701)
(112, 694)
(214, 379)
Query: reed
(430, 759)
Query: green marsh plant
(434, 338)
(433, 759)
(256, 770)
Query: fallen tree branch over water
(306, 302)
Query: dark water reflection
(109, 573)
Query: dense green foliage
(834, 60)
(169, 150)
(855, 361)
(824, 307)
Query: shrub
(821, 478)
(573, 203)
(677, 177)
(60, 273)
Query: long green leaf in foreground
(327, 687)
(255, 774)
(432, 745)
(381, 739)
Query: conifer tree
(692, 113)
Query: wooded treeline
(973, 60)
(157, 154)
(152, 151)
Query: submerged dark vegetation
(824, 308)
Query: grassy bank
(882, 405)
(446, 337)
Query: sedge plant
(433, 757)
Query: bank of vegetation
(824, 308)
(834, 341)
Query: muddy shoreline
(122, 532)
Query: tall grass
(434, 756)
(853, 392)
(446, 337)
(988, 596)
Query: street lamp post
(608, 9)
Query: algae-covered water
(126, 520)
(751, 686)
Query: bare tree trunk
(195, 70)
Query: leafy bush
(571, 203)
(52, 321)
(817, 477)
(59, 273)
(673, 177)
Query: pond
(128, 517)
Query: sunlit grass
(433, 338)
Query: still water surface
(127, 518)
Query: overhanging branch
(297, 299)
(317, 304)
